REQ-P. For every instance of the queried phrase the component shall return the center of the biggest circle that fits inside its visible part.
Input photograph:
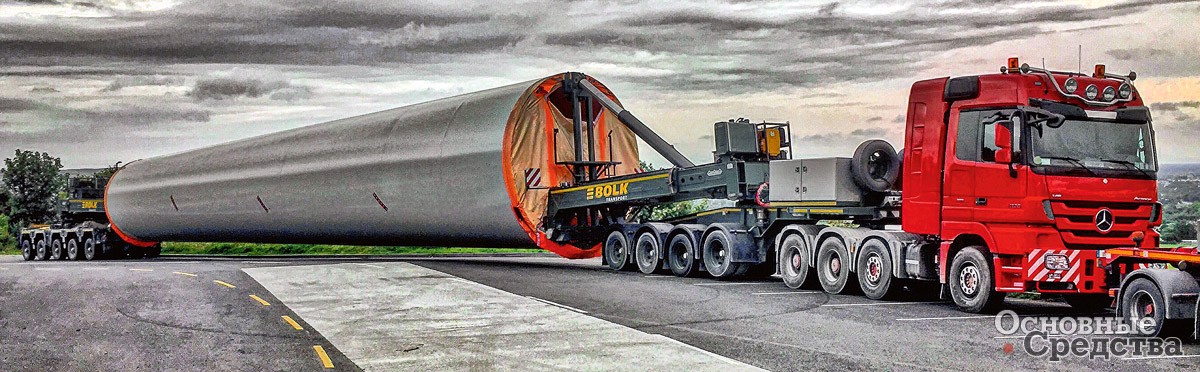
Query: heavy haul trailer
(82, 231)
(1011, 182)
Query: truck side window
(967, 146)
(988, 151)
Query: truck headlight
(1109, 93)
(1092, 92)
(1057, 262)
(1125, 91)
(1071, 85)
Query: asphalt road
(149, 315)
(114, 315)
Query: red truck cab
(1034, 172)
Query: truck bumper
(1052, 271)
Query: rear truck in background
(81, 230)
(1021, 181)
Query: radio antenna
(1079, 68)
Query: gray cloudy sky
(100, 81)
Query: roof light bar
(1092, 91)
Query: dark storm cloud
(1129, 54)
(860, 134)
(1174, 106)
(719, 49)
(147, 80)
(229, 88)
(17, 105)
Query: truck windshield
(1094, 144)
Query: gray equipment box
(736, 138)
(824, 179)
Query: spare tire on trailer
(875, 165)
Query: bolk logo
(607, 191)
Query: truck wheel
(681, 255)
(616, 251)
(56, 250)
(646, 253)
(971, 283)
(875, 166)
(793, 262)
(718, 255)
(1141, 298)
(833, 266)
(1092, 303)
(875, 271)
(41, 252)
(73, 250)
(89, 250)
(26, 250)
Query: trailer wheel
(647, 253)
(1141, 298)
(1092, 303)
(971, 284)
(154, 251)
(26, 250)
(56, 250)
(616, 250)
(73, 250)
(89, 249)
(793, 262)
(681, 255)
(875, 276)
(718, 255)
(833, 266)
(42, 252)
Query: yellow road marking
(324, 357)
(260, 300)
(184, 274)
(224, 284)
(141, 269)
(291, 321)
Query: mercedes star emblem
(1104, 220)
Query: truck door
(999, 190)
(958, 199)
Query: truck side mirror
(1003, 142)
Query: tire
(718, 255)
(833, 266)
(875, 166)
(154, 251)
(1091, 303)
(875, 276)
(971, 283)
(56, 250)
(794, 265)
(27, 252)
(616, 251)
(43, 252)
(1142, 298)
(647, 252)
(681, 255)
(73, 250)
(90, 250)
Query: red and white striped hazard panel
(1055, 265)
(533, 178)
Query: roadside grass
(252, 249)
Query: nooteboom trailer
(81, 230)
(1028, 180)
